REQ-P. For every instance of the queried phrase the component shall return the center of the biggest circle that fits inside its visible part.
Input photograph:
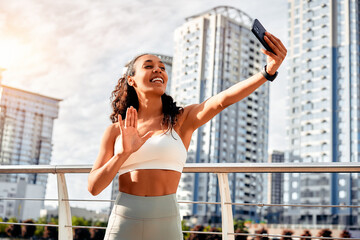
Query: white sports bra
(158, 152)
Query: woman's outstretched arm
(199, 114)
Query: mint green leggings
(144, 218)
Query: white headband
(124, 71)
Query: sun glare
(10, 52)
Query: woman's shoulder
(113, 127)
(112, 131)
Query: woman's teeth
(157, 80)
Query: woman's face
(150, 75)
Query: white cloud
(75, 50)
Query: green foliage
(207, 228)
(240, 224)
(39, 229)
(248, 221)
(39, 232)
(80, 221)
(100, 224)
(54, 220)
(2, 226)
(42, 220)
(211, 229)
(13, 220)
(184, 227)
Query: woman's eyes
(149, 66)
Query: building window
(342, 182)
(342, 194)
(294, 196)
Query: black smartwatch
(268, 76)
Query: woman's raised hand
(131, 141)
(274, 60)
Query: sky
(75, 51)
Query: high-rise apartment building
(276, 180)
(324, 105)
(275, 189)
(26, 125)
(213, 51)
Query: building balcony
(65, 227)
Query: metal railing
(221, 169)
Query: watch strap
(267, 75)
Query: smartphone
(259, 32)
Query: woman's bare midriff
(149, 182)
(153, 182)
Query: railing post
(65, 233)
(226, 209)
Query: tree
(240, 224)
(80, 221)
(239, 227)
(28, 231)
(261, 231)
(2, 228)
(197, 236)
(100, 224)
(287, 233)
(39, 232)
(325, 233)
(51, 233)
(214, 236)
(13, 230)
(82, 234)
(241, 237)
(306, 233)
(97, 234)
(184, 227)
(345, 234)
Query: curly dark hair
(125, 96)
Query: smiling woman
(147, 145)
(125, 94)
